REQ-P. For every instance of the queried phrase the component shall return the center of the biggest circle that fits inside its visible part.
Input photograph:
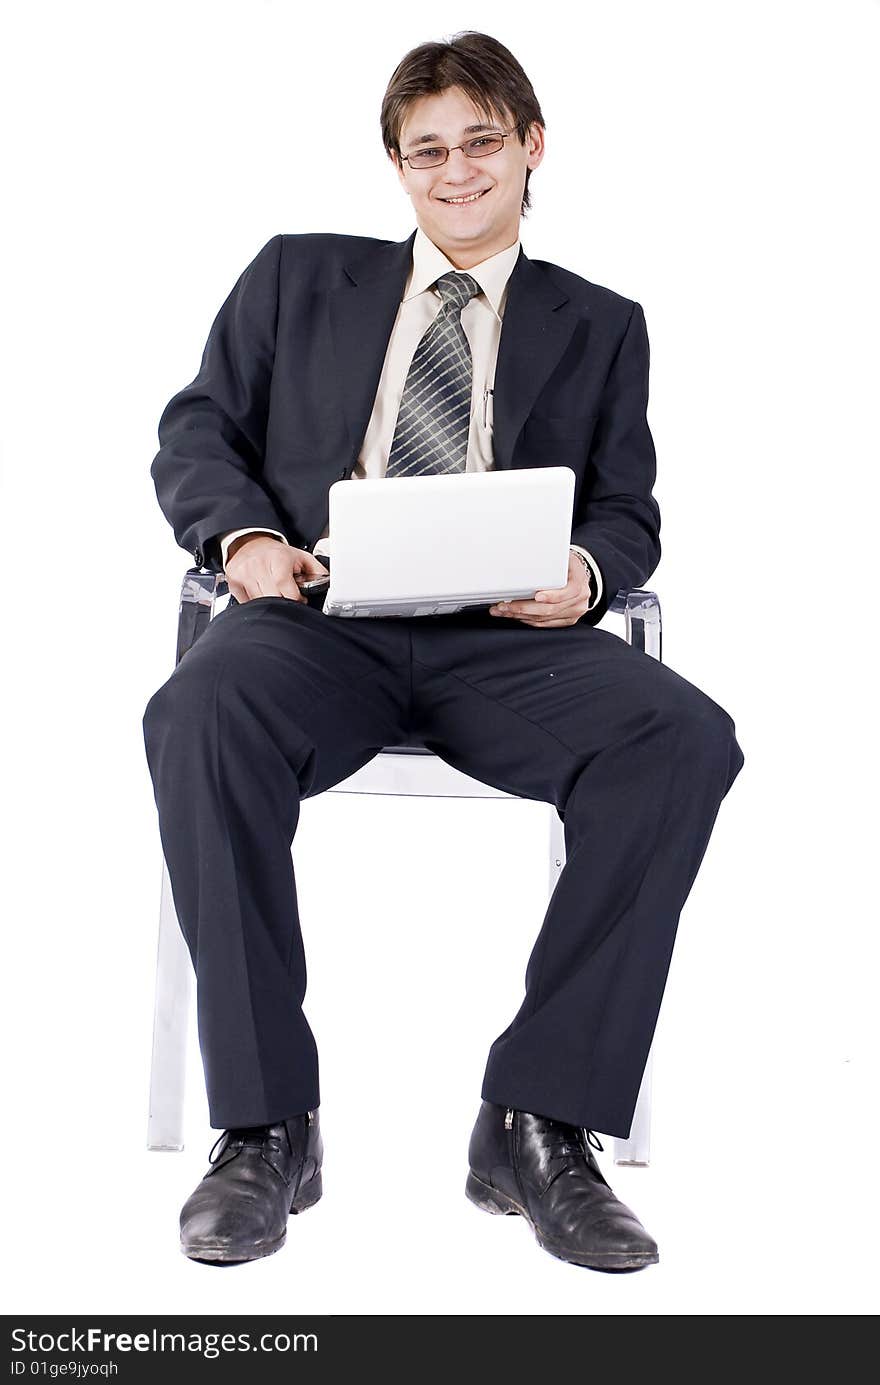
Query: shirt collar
(492, 275)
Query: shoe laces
(566, 1139)
(253, 1135)
(566, 1142)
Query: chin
(460, 226)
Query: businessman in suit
(339, 357)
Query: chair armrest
(641, 611)
(198, 593)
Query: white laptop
(431, 545)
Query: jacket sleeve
(618, 519)
(212, 433)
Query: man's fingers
(308, 572)
(562, 606)
(555, 603)
(260, 566)
(289, 589)
(243, 595)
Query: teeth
(460, 201)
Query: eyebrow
(468, 130)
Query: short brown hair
(484, 69)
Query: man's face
(470, 232)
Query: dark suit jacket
(283, 398)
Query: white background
(713, 162)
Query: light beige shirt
(481, 320)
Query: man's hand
(258, 565)
(559, 606)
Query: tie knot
(457, 289)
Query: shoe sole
(499, 1204)
(229, 1255)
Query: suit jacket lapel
(362, 314)
(535, 332)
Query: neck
(465, 257)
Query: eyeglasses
(476, 148)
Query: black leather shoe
(261, 1174)
(545, 1171)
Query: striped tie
(431, 434)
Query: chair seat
(414, 771)
(406, 750)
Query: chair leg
(637, 1148)
(170, 1017)
(557, 847)
(198, 600)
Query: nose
(458, 168)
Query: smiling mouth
(469, 202)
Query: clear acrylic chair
(400, 770)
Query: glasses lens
(426, 158)
(484, 144)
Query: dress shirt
(481, 320)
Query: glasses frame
(499, 134)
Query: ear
(535, 144)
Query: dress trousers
(277, 702)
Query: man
(341, 356)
